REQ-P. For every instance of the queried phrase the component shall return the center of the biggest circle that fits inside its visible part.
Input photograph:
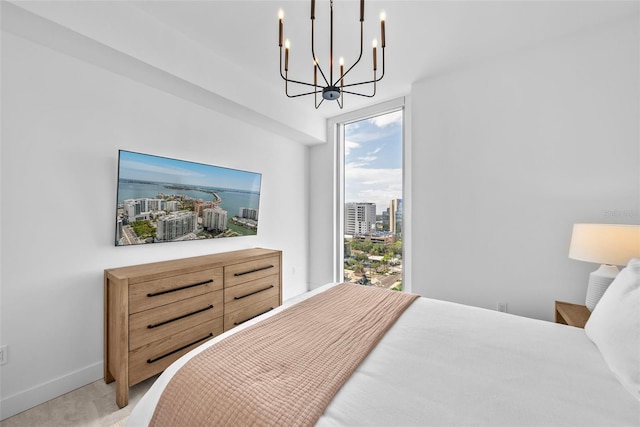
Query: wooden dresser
(154, 313)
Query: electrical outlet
(501, 306)
(3, 354)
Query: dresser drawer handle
(178, 349)
(253, 271)
(155, 294)
(179, 317)
(254, 292)
(253, 317)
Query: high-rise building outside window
(360, 218)
(395, 218)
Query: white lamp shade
(613, 244)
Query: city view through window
(373, 201)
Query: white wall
(63, 121)
(322, 215)
(509, 153)
(166, 49)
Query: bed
(442, 363)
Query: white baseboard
(19, 402)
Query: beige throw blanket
(285, 370)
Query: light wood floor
(93, 405)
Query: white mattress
(449, 364)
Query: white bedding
(448, 364)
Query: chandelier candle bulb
(382, 38)
(281, 25)
(287, 45)
(315, 73)
(375, 57)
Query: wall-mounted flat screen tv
(169, 200)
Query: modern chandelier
(328, 88)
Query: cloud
(387, 119)
(370, 134)
(374, 128)
(350, 145)
(361, 161)
(141, 167)
(378, 186)
(367, 159)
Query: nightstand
(572, 314)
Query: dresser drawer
(251, 270)
(248, 293)
(158, 355)
(146, 295)
(238, 317)
(151, 325)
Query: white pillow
(614, 326)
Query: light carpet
(121, 423)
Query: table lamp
(609, 245)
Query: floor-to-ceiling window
(372, 199)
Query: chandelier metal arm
(375, 80)
(359, 56)
(286, 88)
(302, 94)
(287, 79)
(340, 102)
(362, 94)
(286, 91)
(313, 51)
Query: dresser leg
(122, 394)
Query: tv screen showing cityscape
(168, 200)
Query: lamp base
(599, 281)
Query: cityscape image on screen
(167, 200)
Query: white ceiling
(424, 38)
(224, 55)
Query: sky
(145, 167)
(373, 160)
